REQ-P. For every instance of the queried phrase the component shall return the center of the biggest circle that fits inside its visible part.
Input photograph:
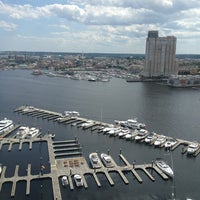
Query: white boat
(6, 125)
(22, 132)
(123, 132)
(32, 132)
(87, 124)
(64, 181)
(71, 114)
(170, 143)
(142, 133)
(192, 148)
(128, 136)
(131, 123)
(164, 167)
(0, 168)
(78, 180)
(107, 129)
(134, 124)
(107, 160)
(114, 131)
(95, 161)
(52, 135)
(29, 109)
(150, 138)
(160, 140)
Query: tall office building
(160, 57)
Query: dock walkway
(69, 166)
(96, 126)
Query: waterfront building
(160, 54)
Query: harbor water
(172, 112)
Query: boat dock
(66, 159)
(95, 126)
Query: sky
(97, 26)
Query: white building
(160, 57)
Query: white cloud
(103, 22)
(7, 26)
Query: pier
(95, 126)
(69, 165)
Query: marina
(158, 140)
(168, 111)
(71, 163)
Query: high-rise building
(160, 57)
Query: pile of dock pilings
(96, 126)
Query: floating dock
(69, 165)
(95, 126)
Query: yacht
(170, 143)
(32, 132)
(131, 123)
(78, 180)
(141, 135)
(134, 124)
(150, 138)
(22, 132)
(192, 148)
(107, 160)
(107, 129)
(130, 135)
(29, 109)
(6, 125)
(64, 181)
(95, 161)
(160, 140)
(71, 114)
(114, 131)
(164, 167)
(124, 132)
(87, 124)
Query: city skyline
(101, 26)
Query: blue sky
(103, 26)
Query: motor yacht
(87, 124)
(134, 124)
(192, 148)
(150, 138)
(107, 129)
(64, 181)
(29, 109)
(164, 167)
(6, 125)
(170, 143)
(131, 123)
(142, 133)
(160, 140)
(78, 180)
(71, 114)
(107, 160)
(114, 131)
(32, 132)
(95, 161)
(22, 132)
(123, 132)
